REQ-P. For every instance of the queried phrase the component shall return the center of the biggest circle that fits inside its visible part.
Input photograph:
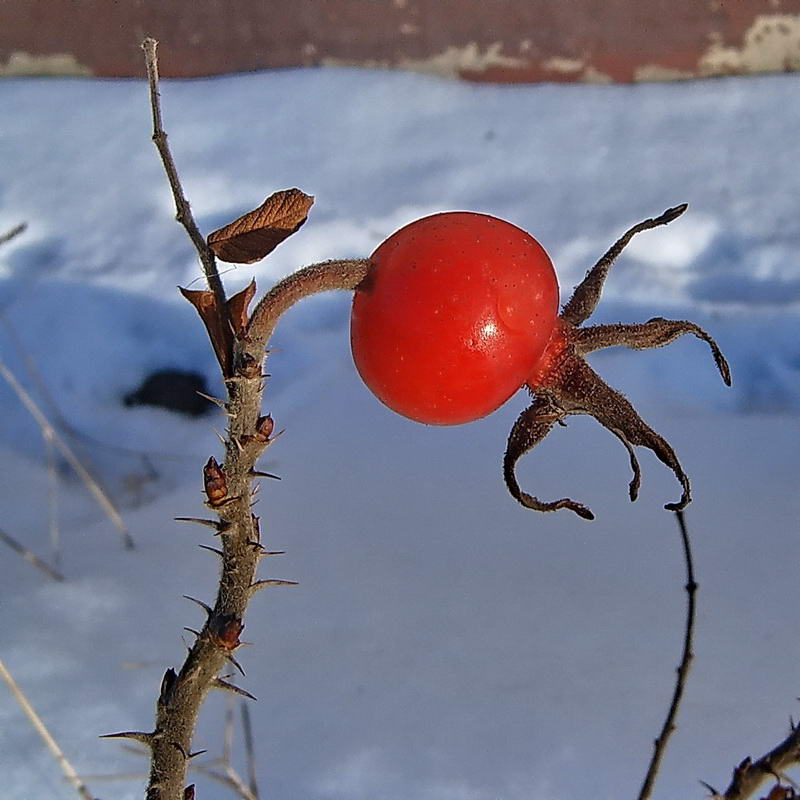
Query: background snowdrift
(444, 644)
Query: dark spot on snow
(173, 389)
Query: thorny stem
(183, 693)
(668, 728)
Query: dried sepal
(237, 307)
(256, 234)
(217, 324)
(264, 428)
(224, 632)
(222, 321)
(564, 384)
(188, 792)
(215, 483)
(262, 434)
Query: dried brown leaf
(257, 233)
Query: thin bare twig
(41, 729)
(668, 728)
(48, 430)
(30, 556)
(182, 208)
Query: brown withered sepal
(569, 385)
(225, 631)
(215, 483)
(222, 323)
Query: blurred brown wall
(487, 40)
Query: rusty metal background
(483, 40)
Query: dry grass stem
(52, 502)
(41, 729)
(30, 556)
(182, 208)
(48, 431)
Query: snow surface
(444, 643)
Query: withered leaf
(257, 233)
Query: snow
(444, 643)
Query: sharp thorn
(136, 736)
(215, 400)
(196, 753)
(218, 683)
(235, 663)
(219, 436)
(258, 474)
(276, 435)
(181, 749)
(204, 606)
(211, 549)
(192, 630)
(259, 585)
(710, 788)
(209, 523)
